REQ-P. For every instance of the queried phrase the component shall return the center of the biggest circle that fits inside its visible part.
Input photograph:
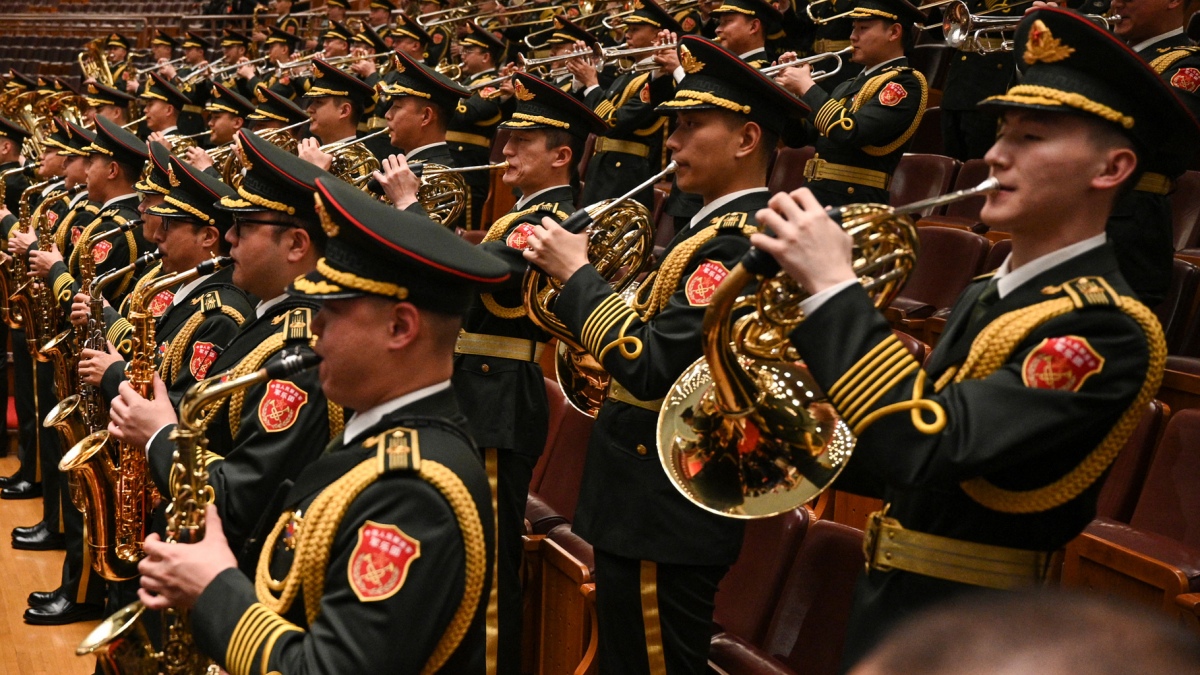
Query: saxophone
(121, 643)
(64, 360)
(6, 270)
(21, 307)
(112, 477)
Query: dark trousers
(633, 595)
(967, 134)
(80, 583)
(51, 450)
(26, 424)
(513, 473)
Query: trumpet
(527, 64)
(300, 61)
(964, 29)
(615, 53)
(816, 58)
(745, 432)
(151, 69)
(416, 167)
(351, 58)
(195, 75)
(821, 21)
(480, 15)
(235, 66)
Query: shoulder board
(297, 325)
(898, 69)
(729, 221)
(210, 302)
(115, 215)
(550, 207)
(397, 449)
(1164, 61)
(1086, 292)
(90, 207)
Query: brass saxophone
(7, 280)
(121, 643)
(53, 351)
(745, 431)
(21, 308)
(113, 476)
(619, 246)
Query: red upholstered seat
(554, 490)
(1185, 210)
(928, 136)
(922, 176)
(1123, 486)
(949, 258)
(787, 173)
(1175, 310)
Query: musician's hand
(363, 68)
(134, 419)
(584, 71)
(20, 241)
(198, 158)
(558, 252)
(81, 309)
(258, 36)
(813, 250)
(787, 57)
(399, 183)
(247, 71)
(310, 151)
(132, 85)
(174, 575)
(797, 79)
(507, 87)
(168, 72)
(40, 262)
(158, 136)
(93, 363)
(667, 59)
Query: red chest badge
(76, 232)
(203, 355)
(1062, 363)
(52, 217)
(380, 561)
(161, 302)
(437, 38)
(519, 237)
(1187, 79)
(100, 251)
(704, 281)
(892, 94)
(281, 405)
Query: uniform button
(617, 165)
(485, 368)
(999, 66)
(849, 190)
(963, 58)
(461, 147)
(641, 449)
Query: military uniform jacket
(628, 108)
(505, 399)
(972, 76)
(627, 505)
(439, 45)
(189, 333)
(368, 623)
(866, 123)
(113, 253)
(264, 436)
(1025, 426)
(118, 330)
(64, 274)
(474, 116)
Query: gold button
(963, 58)
(641, 449)
(849, 190)
(999, 66)
(617, 165)
(485, 368)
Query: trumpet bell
(443, 195)
(956, 24)
(785, 452)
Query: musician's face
(404, 119)
(336, 13)
(874, 41)
(53, 164)
(161, 52)
(335, 47)
(640, 35)
(100, 168)
(474, 58)
(704, 146)
(182, 243)
(116, 54)
(379, 16)
(115, 113)
(160, 115)
(1143, 19)
(739, 33)
(233, 53)
(258, 249)
(409, 46)
(224, 126)
(326, 113)
(278, 52)
(193, 55)
(530, 161)
(151, 223)
(354, 334)
(75, 170)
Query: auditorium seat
(1181, 383)
(747, 594)
(1123, 485)
(555, 489)
(808, 627)
(995, 257)
(918, 349)
(787, 173)
(1175, 310)
(566, 637)
(933, 60)
(1156, 556)
(920, 177)
(966, 211)
(949, 258)
(928, 137)
(1185, 210)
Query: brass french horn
(745, 431)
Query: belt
(982, 44)
(1154, 183)
(819, 169)
(471, 139)
(376, 123)
(193, 109)
(824, 46)
(628, 147)
(516, 349)
(887, 546)
(618, 393)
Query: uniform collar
(183, 291)
(117, 199)
(1008, 280)
(423, 148)
(524, 201)
(1156, 39)
(265, 306)
(703, 214)
(362, 421)
(867, 72)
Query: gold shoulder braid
(311, 561)
(992, 349)
(868, 92)
(172, 361)
(1161, 63)
(665, 280)
(495, 233)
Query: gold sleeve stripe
(64, 280)
(257, 626)
(119, 329)
(620, 312)
(825, 113)
(269, 645)
(605, 309)
(877, 353)
(893, 377)
(604, 109)
(850, 401)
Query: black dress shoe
(41, 539)
(21, 489)
(5, 481)
(27, 531)
(62, 611)
(42, 598)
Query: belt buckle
(813, 167)
(871, 537)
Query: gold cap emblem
(689, 62)
(316, 73)
(1043, 46)
(327, 224)
(522, 93)
(171, 176)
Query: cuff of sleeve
(813, 302)
(590, 89)
(678, 74)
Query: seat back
(1176, 308)
(746, 597)
(918, 349)
(920, 177)
(1185, 210)
(933, 61)
(787, 173)
(928, 136)
(997, 254)
(948, 260)
(808, 629)
(1123, 486)
(558, 485)
(1170, 501)
(971, 173)
(558, 404)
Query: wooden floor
(25, 649)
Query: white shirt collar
(523, 201)
(1009, 280)
(169, 130)
(1169, 34)
(187, 288)
(703, 214)
(752, 52)
(265, 305)
(361, 421)
(424, 147)
(117, 199)
(53, 186)
(76, 198)
(878, 66)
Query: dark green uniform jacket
(469, 134)
(110, 254)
